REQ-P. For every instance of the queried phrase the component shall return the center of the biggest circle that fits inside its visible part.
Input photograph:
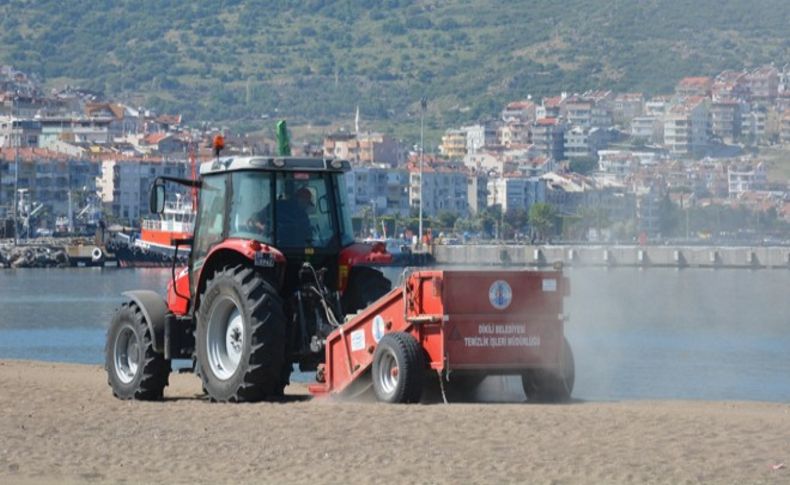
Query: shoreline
(60, 423)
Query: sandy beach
(60, 424)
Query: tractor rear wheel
(398, 369)
(240, 341)
(365, 285)
(134, 369)
(551, 385)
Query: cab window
(251, 209)
(304, 210)
(211, 215)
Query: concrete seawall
(614, 256)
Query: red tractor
(273, 267)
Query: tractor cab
(294, 208)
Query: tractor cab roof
(288, 164)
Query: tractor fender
(155, 311)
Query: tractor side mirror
(156, 200)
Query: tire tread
(262, 375)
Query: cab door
(210, 223)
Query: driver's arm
(260, 219)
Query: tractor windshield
(288, 209)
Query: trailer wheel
(365, 285)
(134, 369)
(398, 369)
(240, 341)
(551, 386)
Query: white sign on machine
(358, 340)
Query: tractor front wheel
(398, 369)
(240, 341)
(134, 369)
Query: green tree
(668, 217)
(583, 165)
(447, 220)
(542, 220)
(517, 219)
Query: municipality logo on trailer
(379, 328)
(500, 295)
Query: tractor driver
(293, 223)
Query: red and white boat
(154, 244)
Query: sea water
(636, 334)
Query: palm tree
(541, 219)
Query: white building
(746, 178)
(479, 136)
(131, 182)
(622, 163)
(686, 130)
(519, 111)
(443, 190)
(19, 132)
(383, 189)
(73, 129)
(657, 106)
(648, 128)
(753, 124)
(513, 193)
(584, 143)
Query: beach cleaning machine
(455, 327)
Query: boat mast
(193, 168)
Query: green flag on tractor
(283, 143)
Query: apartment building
(763, 83)
(686, 128)
(443, 188)
(694, 86)
(383, 188)
(746, 177)
(363, 148)
(127, 195)
(453, 144)
(627, 106)
(725, 119)
(512, 193)
(548, 136)
(47, 178)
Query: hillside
(315, 60)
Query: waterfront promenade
(749, 257)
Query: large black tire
(398, 369)
(365, 285)
(134, 369)
(240, 341)
(551, 386)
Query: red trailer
(459, 326)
